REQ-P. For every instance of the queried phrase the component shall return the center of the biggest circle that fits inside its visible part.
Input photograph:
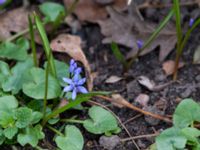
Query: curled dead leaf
(169, 66)
(71, 45)
(93, 10)
(113, 79)
(146, 82)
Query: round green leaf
(52, 10)
(8, 102)
(10, 132)
(34, 86)
(23, 115)
(31, 136)
(102, 121)
(72, 140)
(171, 139)
(186, 113)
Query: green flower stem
(176, 7)
(46, 88)
(55, 130)
(18, 35)
(152, 37)
(72, 121)
(183, 43)
(33, 45)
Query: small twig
(119, 120)
(133, 118)
(139, 137)
(129, 105)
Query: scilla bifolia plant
(31, 91)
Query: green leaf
(4, 72)
(15, 80)
(14, 51)
(119, 56)
(101, 121)
(171, 139)
(52, 11)
(31, 136)
(10, 132)
(34, 85)
(36, 117)
(192, 135)
(8, 102)
(72, 140)
(2, 137)
(46, 44)
(23, 115)
(186, 113)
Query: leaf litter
(126, 29)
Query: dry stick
(127, 104)
(148, 5)
(139, 137)
(133, 118)
(119, 120)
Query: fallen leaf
(126, 29)
(196, 57)
(169, 65)
(71, 45)
(92, 10)
(146, 82)
(113, 79)
(13, 21)
(118, 100)
(142, 99)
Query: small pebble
(186, 93)
(153, 121)
(109, 143)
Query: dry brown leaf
(142, 99)
(91, 10)
(169, 65)
(127, 29)
(13, 21)
(113, 79)
(71, 45)
(16, 20)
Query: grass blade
(153, 36)
(46, 44)
(119, 56)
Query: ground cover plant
(94, 75)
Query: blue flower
(75, 83)
(191, 22)
(139, 44)
(2, 2)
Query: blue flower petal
(82, 89)
(74, 93)
(139, 44)
(68, 88)
(81, 81)
(76, 78)
(78, 70)
(67, 80)
(2, 2)
(72, 61)
(191, 22)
